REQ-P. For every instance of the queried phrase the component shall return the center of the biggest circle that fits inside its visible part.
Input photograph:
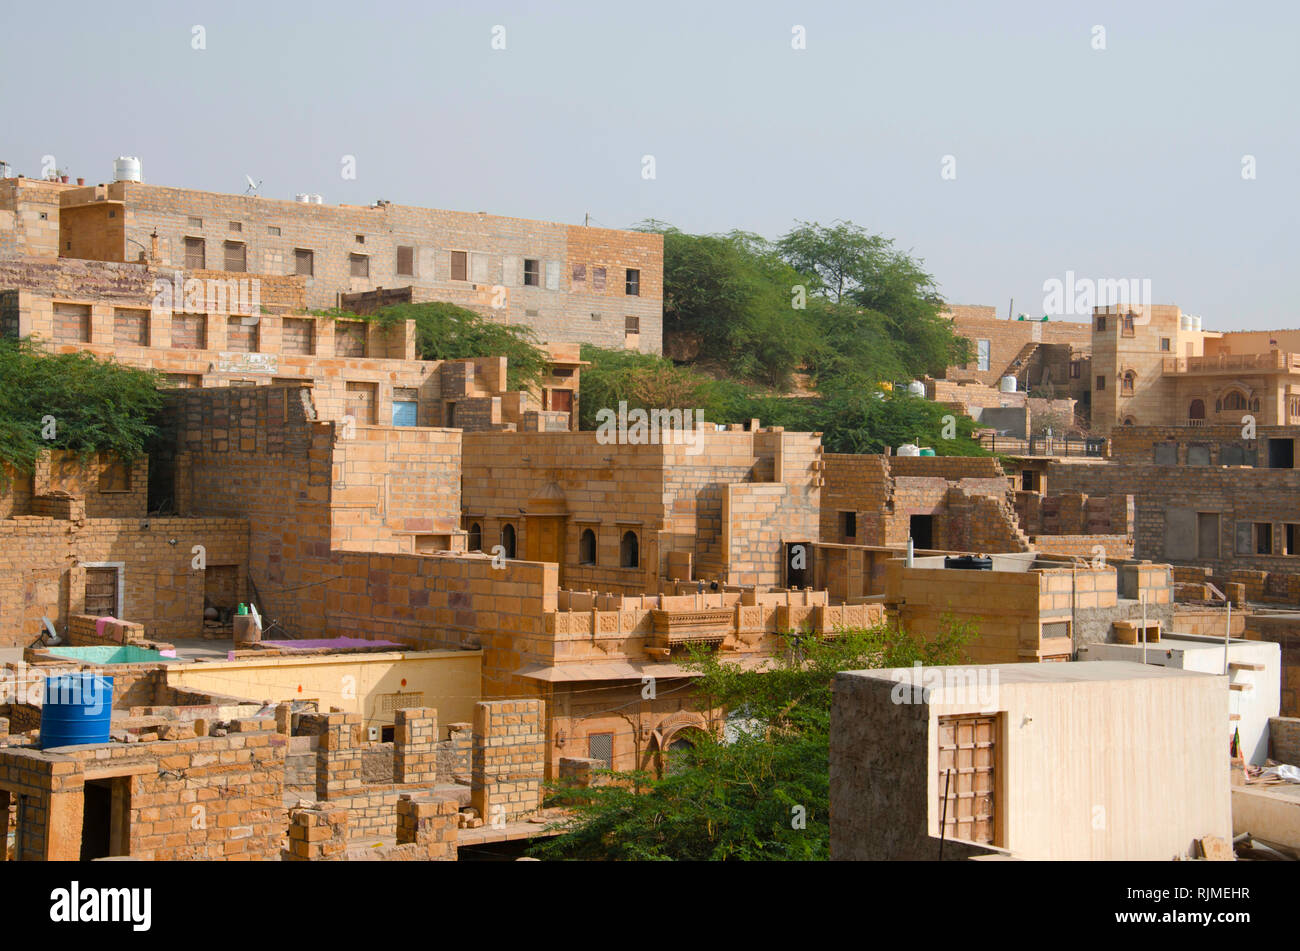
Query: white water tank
(1196, 323)
(1184, 321)
(127, 169)
(302, 198)
(909, 449)
(1007, 384)
(317, 200)
(916, 388)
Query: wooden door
(101, 592)
(545, 539)
(968, 772)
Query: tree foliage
(756, 789)
(88, 405)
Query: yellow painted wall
(449, 680)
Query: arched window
(1130, 421)
(1127, 383)
(1234, 400)
(475, 537)
(587, 547)
(1196, 410)
(508, 540)
(629, 555)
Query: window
(359, 265)
(1128, 325)
(632, 325)
(982, 349)
(1074, 369)
(1101, 382)
(131, 327)
(405, 260)
(1166, 453)
(236, 226)
(532, 272)
(1292, 539)
(1263, 538)
(587, 547)
(632, 285)
(508, 540)
(1235, 400)
(460, 265)
(600, 746)
(349, 338)
(848, 526)
(361, 239)
(72, 322)
(273, 230)
(194, 223)
(297, 335)
(236, 256)
(189, 331)
(241, 337)
(1127, 382)
(475, 542)
(1164, 344)
(598, 279)
(304, 262)
(1198, 455)
(195, 255)
(1101, 323)
(579, 276)
(628, 554)
(1196, 409)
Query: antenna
(252, 185)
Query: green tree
(730, 299)
(734, 793)
(86, 404)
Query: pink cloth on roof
(100, 622)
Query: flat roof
(1064, 672)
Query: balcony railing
(1274, 360)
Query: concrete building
(1253, 670)
(1104, 760)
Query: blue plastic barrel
(78, 710)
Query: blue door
(404, 412)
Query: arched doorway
(1196, 410)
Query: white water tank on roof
(909, 449)
(317, 200)
(127, 169)
(302, 198)
(1007, 384)
(916, 388)
(1184, 321)
(1196, 323)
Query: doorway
(106, 818)
(1281, 454)
(797, 573)
(921, 528)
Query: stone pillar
(431, 823)
(415, 755)
(317, 834)
(508, 759)
(338, 759)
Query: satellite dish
(51, 635)
(253, 186)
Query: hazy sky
(1118, 163)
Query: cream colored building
(1101, 760)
